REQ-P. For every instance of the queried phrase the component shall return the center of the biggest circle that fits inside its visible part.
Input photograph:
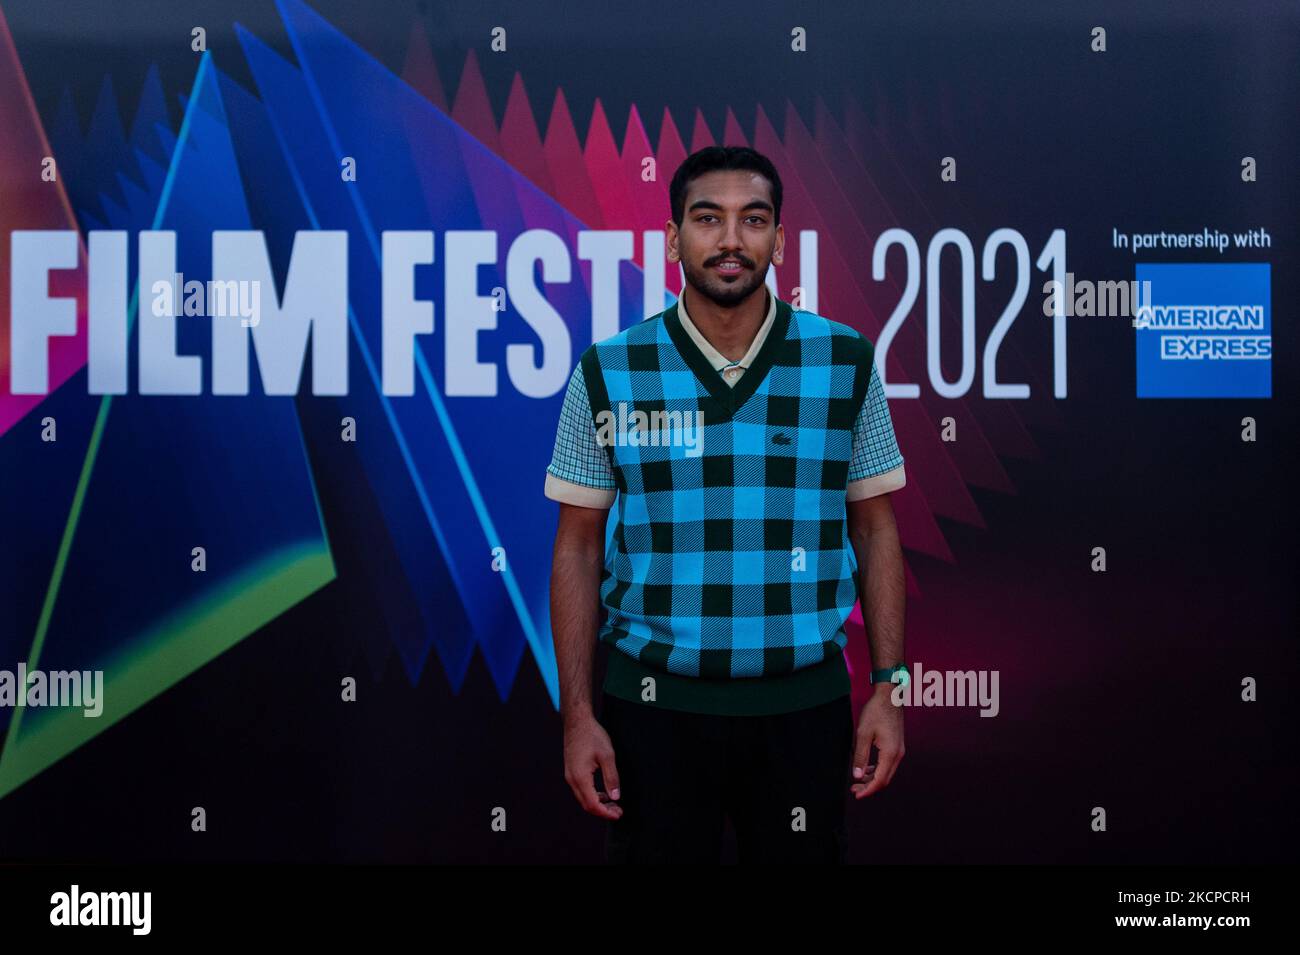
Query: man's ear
(671, 239)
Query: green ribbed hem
(742, 696)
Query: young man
(734, 553)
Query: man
(734, 553)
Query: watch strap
(887, 675)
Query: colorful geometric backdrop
(373, 559)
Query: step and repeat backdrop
(290, 293)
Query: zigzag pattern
(405, 520)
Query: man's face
(728, 236)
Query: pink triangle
(473, 109)
(605, 169)
(732, 134)
(521, 145)
(573, 188)
(670, 154)
(420, 71)
(700, 135)
(649, 197)
(28, 202)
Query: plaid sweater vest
(730, 559)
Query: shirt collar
(715, 358)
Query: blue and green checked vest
(731, 573)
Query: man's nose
(730, 238)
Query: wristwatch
(895, 674)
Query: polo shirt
(753, 662)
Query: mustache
(736, 256)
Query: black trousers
(783, 780)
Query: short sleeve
(579, 472)
(877, 463)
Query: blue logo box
(1207, 331)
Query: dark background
(1118, 690)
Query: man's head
(725, 229)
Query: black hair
(714, 158)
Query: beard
(725, 292)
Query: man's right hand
(587, 747)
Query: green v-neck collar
(728, 398)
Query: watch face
(901, 677)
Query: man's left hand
(881, 723)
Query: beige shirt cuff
(566, 492)
(877, 484)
